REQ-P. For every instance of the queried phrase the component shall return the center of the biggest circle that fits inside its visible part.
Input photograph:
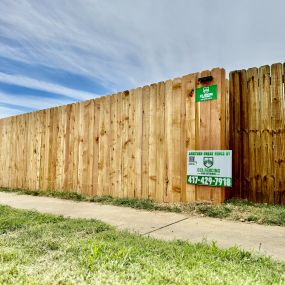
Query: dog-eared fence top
(134, 143)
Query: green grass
(44, 249)
(245, 211)
(234, 209)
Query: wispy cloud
(7, 112)
(45, 86)
(124, 44)
(32, 102)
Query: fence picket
(130, 144)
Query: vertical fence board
(67, 151)
(278, 120)
(106, 186)
(168, 142)
(81, 168)
(138, 142)
(217, 125)
(245, 180)
(188, 139)
(183, 149)
(204, 193)
(131, 131)
(113, 141)
(145, 142)
(152, 147)
(176, 139)
(236, 131)
(95, 178)
(160, 143)
(125, 143)
(102, 148)
(267, 176)
(189, 95)
(119, 147)
(254, 134)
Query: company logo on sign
(206, 90)
(208, 161)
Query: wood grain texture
(188, 86)
(160, 144)
(254, 134)
(176, 139)
(278, 126)
(262, 125)
(138, 123)
(267, 168)
(204, 193)
(130, 144)
(145, 141)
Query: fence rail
(130, 144)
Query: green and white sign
(206, 93)
(209, 167)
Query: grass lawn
(233, 209)
(44, 249)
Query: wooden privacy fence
(130, 144)
(257, 128)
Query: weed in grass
(55, 250)
(234, 209)
(214, 211)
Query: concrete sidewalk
(268, 240)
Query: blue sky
(54, 52)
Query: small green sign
(206, 93)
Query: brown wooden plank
(176, 139)
(278, 124)
(168, 142)
(88, 140)
(218, 124)
(125, 143)
(113, 142)
(183, 150)
(106, 185)
(60, 149)
(119, 147)
(267, 165)
(131, 146)
(153, 128)
(95, 178)
(102, 148)
(203, 110)
(189, 85)
(67, 150)
(245, 181)
(254, 135)
(37, 149)
(160, 144)
(83, 147)
(138, 142)
(45, 158)
(145, 141)
(76, 138)
(80, 159)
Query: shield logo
(206, 89)
(208, 161)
